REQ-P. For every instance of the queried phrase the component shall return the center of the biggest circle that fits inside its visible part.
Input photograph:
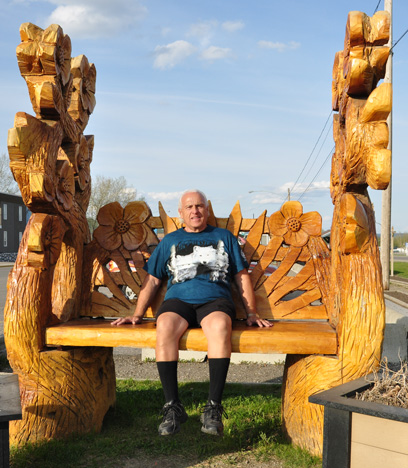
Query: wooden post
(387, 194)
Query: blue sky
(229, 96)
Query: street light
(273, 193)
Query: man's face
(194, 212)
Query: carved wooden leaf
(235, 220)
(254, 237)
(212, 220)
(168, 224)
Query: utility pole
(386, 196)
(392, 250)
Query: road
(4, 272)
(401, 258)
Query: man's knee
(217, 324)
(170, 324)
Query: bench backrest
(284, 251)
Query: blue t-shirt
(199, 266)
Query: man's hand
(255, 319)
(132, 319)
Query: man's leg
(217, 328)
(169, 329)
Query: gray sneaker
(211, 418)
(174, 414)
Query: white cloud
(164, 196)
(280, 194)
(170, 55)
(96, 18)
(279, 46)
(203, 31)
(216, 53)
(232, 26)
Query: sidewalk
(395, 346)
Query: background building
(14, 216)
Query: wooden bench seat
(284, 337)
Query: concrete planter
(360, 434)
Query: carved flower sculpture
(294, 225)
(83, 96)
(55, 53)
(122, 226)
(66, 184)
(27, 51)
(44, 59)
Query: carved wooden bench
(61, 293)
(290, 296)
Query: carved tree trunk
(356, 296)
(61, 391)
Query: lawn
(401, 269)
(253, 429)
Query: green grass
(130, 430)
(401, 269)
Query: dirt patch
(128, 367)
(238, 460)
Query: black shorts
(194, 313)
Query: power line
(310, 155)
(376, 8)
(318, 172)
(318, 153)
(395, 43)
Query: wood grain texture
(62, 392)
(283, 337)
(354, 292)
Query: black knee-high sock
(168, 377)
(218, 376)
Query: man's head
(193, 210)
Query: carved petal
(134, 237)
(109, 214)
(292, 209)
(66, 185)
(107, 237)
(297, 239)
(277, 224)
(311, 223)
(136, 212)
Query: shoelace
(216, 411)
(175, 410)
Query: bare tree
(7, 182)
(106, 190)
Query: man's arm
(243, 281)
(147, 292)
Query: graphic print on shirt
(192, 260)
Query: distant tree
(400, 239)
(7, 182)
(106, 190)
